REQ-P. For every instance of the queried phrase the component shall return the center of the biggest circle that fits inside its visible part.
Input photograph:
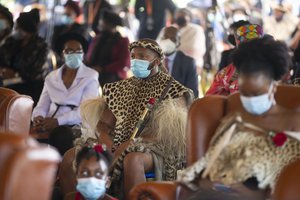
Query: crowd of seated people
(140, 122)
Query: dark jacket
(185, 71)
(159, 8)
(27, 61)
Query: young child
(92, 168)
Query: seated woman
(92, 168)
(22, 56)
(250, 148)
(65, 88)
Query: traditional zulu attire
(127, 100)
(226, 80)
(250, 152)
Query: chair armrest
(288, 183)
(155, 191)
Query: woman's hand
(49, 124)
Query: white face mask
(73, 60)
(238, 17)
(91, 188)
(167, 46)
(258, 105)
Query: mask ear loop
(151, 63)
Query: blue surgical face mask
(73, 60)
(3, 24)
(140, 68)
(67, 20)
(91, 188)
(258, 105)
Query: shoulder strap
(165, 91)
(162, 96)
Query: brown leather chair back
(15, 112)
(205, 115)
(288, 183)
(27, 169)
(66, 175)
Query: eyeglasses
(71, 51)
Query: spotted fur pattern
(247, 155)
(127, 100)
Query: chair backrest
(288, 184)
(205, 116)
(66, 174)
(27, 169)
(15, 112)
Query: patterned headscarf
(148, 44)
(248, 32)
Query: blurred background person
(192, 36)
(281, 23)
(226, 56)
(92, 12)
(226, 80)
(152, 16)
(23, 55)
(179, 66)
(295, 47)
(108, 52)
(69, 24)
(6, 23)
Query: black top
(159, 8)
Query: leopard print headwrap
(148, 44)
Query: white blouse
(85, 86)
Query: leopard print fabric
(147, 45)
(247, 155)
(127, 100)
(171, 163)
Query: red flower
(152, 101)
(98, 148)
(279, 139)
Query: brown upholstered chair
(204, 117)
(15, 112)
(27, 168)
(288, 183)
(66, 175)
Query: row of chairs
(27, 168)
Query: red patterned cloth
(225, 82)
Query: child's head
(92, 166)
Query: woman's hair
(89, 152)
(264, 55)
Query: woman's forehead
(73, 44)
(256, 79)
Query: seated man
(250, 148)
(159, 145)
(65, 88)
(180, 66)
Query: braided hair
(97, 151)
